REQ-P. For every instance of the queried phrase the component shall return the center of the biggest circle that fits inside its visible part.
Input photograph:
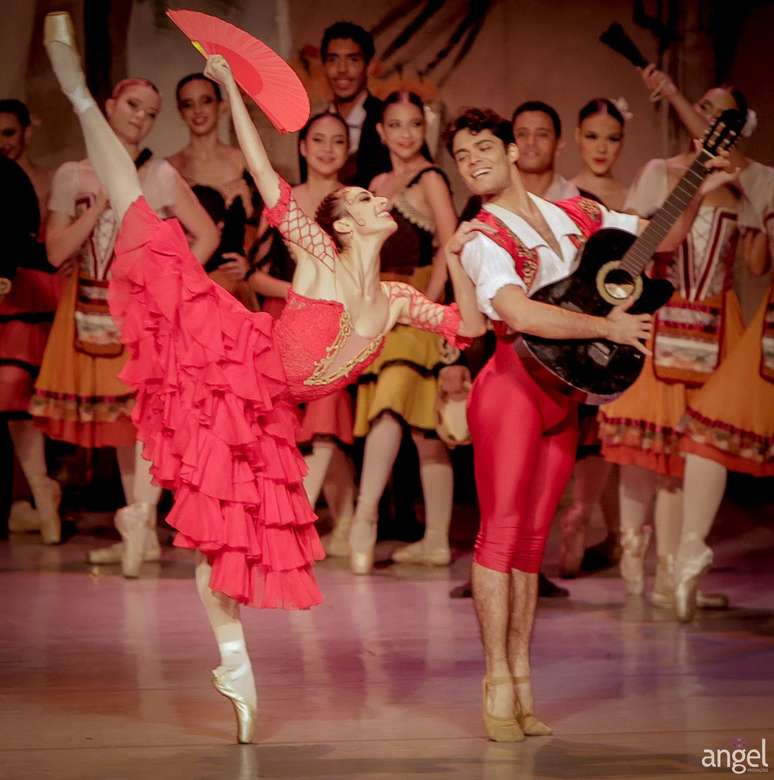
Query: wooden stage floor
(109, 679)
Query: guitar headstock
(723, 132)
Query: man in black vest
(346, 52)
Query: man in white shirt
(523, 425)
(538, 132)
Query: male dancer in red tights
(523, 424)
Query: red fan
(260, 71)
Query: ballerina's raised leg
(118, 175)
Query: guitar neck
(661, 223)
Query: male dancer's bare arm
(524, 315)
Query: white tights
(381, 450)
(330, 472)
(223, 614)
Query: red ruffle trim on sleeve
(276, 213)
(213, 413)
(451, 326)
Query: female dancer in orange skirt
(217, 385)
(729, 423)
(694, 332)
(326, 423)
(78, 396)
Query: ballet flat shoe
(530, 724)
(499, 729)
(245, 715)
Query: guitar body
(601, 369)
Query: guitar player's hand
(629, 329)
(721, 172)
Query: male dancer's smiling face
(484, 161)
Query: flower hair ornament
(622, 104)
(751, 122)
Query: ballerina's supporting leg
(339, 491)
(437, 476)
(703, 488)
(381, 449)
(637, 491)
(234, 677)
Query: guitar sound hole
(618, 284)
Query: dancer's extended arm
(258, 163)
(282, 210)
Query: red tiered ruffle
(213, 413)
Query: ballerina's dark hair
(303, 168)
(601, 106)
(197, 77)
(330, 210)
(407, 96)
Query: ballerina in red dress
(216, 384)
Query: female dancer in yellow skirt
(693, 334)
(78, 396)
(729, 424)
(400, 387)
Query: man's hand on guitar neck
(630, 329)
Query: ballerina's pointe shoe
(362, 540)
(499, 729)
(23, 518)
(663, 593)
(113, 553)
(423, 554)
(573, 540)
(59, 41)
(688, 570)
(634, 548)
(227, 682)
(135, 522)
(336, 543)
(48, 495)
(530, 725)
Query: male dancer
(346, 52)
(523, 425)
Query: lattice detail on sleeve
(300, 230)
(420, 312)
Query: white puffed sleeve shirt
(491, 268)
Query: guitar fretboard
(644, 247)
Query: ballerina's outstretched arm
(283, 212)
(258, 163)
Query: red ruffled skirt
(215, 416)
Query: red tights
(524, 437)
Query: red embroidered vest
(585, 213)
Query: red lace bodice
(316, 341)
(310, 337)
